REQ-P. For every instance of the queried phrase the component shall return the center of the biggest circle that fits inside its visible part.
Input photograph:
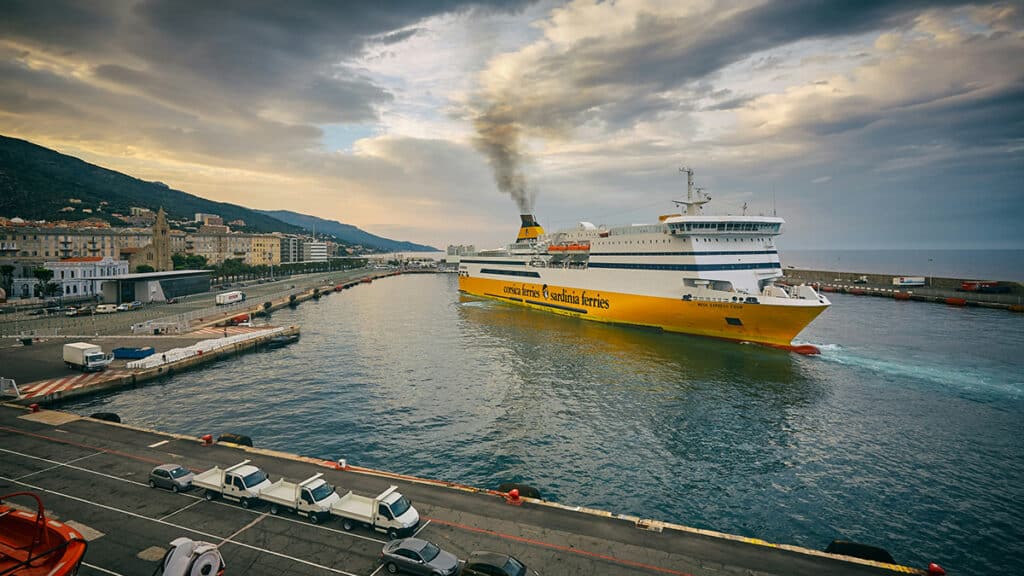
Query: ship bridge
(745, 225)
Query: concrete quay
(54, 382)
(936, 289)
(39, 371)
(94, 474)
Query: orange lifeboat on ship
(34, 545)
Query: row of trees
(231, 270)
(235, 269)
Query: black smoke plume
(498, 138)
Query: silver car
(417, 556)
(172, 477)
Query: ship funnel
(530, 229)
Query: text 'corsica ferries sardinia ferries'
(695, 274)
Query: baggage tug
(689, 273)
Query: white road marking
(177, 526)
(104, 570)
(243, 529)
(420, 529)
(374, 573)
(182, 509)
(59, 464)
(160, 443)
(194, 497)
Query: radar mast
(693, 204)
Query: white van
(106, 308)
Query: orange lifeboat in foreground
(33, 545)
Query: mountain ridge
(346, 232)
(38, 183)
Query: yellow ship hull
(772, 325)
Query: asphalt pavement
(95, 474)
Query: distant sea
(963, 264)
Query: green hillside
(36, 182)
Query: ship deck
(94, 475)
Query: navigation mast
(693, 205)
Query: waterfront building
(75, 277)
(154, 286)
(291, 249)
(252, 249)
(313, 251)
(264, 250)
(461, 250)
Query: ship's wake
(980, 383)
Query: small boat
(282, 340)
(32, 544)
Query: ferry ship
(690, 273)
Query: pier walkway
(94, 474)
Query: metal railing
(181, 322)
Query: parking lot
(30, 322)
(96, 474)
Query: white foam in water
(967, 379)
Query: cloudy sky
(866, 124)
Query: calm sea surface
(906, 433)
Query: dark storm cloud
(241, 64)
(70, 25)
(619, 80)
(663, 53)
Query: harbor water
(907, 432)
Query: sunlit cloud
(398, 119)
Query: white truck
(390, 512)
(230, 297)
(86, 357)
(241, 483)
(908, 281)
(312, 498)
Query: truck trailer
(230, 297)
(86, 357)
(908, 281)
(241, 483)
(389, 512)
(311, 498)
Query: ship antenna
(689, 182)
(693, 206)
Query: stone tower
(161, 243)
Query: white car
(124, 307)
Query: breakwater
(935, 289)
